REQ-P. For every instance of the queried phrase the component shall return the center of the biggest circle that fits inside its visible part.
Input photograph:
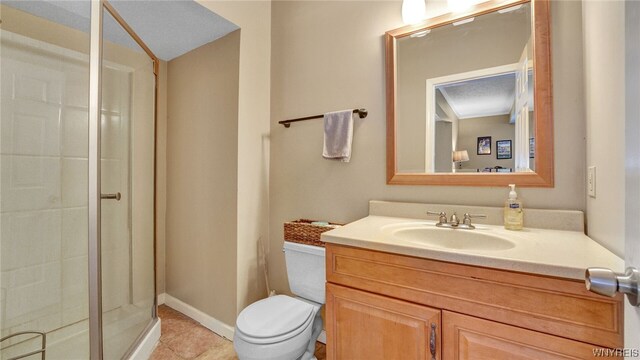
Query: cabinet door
(469, 338)
(362, 325)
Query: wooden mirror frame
(543, 105)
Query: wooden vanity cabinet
(368, 326)
(383, 306)
(470, 338)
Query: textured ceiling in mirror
(488, 96)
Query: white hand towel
(338, 135)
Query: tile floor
(184, 338)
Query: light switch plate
(591, 181)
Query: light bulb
(459, 5)
(413, 11)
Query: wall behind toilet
(202, 162)
(235, 165)
(254, 20)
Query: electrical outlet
(591, 181)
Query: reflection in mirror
(465, 96)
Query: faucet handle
(442, 216)
(468, 217)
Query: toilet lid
(274, 317)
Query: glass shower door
(85, 281)
(44, 77)
(127, 183)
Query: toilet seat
(274, 320)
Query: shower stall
(77, 182)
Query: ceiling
(170, 28)
(488, 96)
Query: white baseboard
(148, 344)
(323, 337)
(207, 321)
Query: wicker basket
(303, 232)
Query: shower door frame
(95, 109)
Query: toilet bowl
(282, 327)
(277, 328)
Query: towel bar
(362, 113)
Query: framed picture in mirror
(532, 148)
(503, 149)
(484, 145)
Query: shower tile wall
(43, 175)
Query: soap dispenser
(513, 216)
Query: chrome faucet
(454, 222)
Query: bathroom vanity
(400, 288)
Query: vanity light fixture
(413, 11)
(465, 21)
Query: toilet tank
(306, 270)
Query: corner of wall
(604, 93)
(202, 177)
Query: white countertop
(558, 253)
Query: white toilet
(283, 327)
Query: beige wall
(324, 58)
(499, 128)
(244, 269)
(202, 177)
(254, 20)
(604, 50)
(443, 148)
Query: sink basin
(454, 239)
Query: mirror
(469, 98)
